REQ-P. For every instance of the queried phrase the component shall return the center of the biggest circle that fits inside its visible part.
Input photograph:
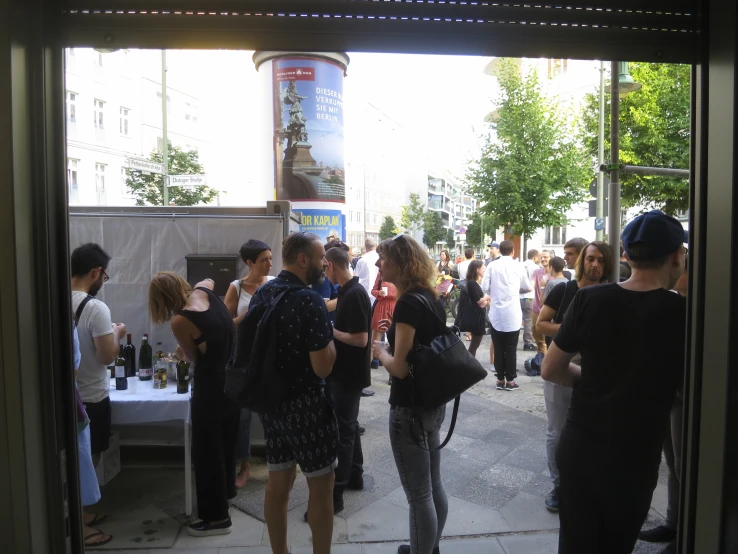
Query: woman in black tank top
(205, 334)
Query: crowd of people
(610, 412)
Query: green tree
(388, 228)
(532, 168)
(450, 238)
(413, 214)
(147, 188)
(474, 231)
(654, 132)
(433, 229)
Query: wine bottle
(183, 377)
(145, 360)
(129, 355)
(121, 380)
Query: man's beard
(594, 275)
(315, 275)
(95, 287)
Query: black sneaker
(204, 529)
(552, 500)
(662, 533)
(405, 549)
(500, 385)
(362, 430)
(356, 483)
(511, 385)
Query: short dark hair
(296, 244)
(87, 257)
(506, 247)
(338, 257)
(532, 253)
(557, 264)
(336, 244)
(468, 253)
(471, 272)
(251, 249)
(641, 257)
(578, 243)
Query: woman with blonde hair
(205, 334)
(404, 263)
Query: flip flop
(97, 519)
(96, 544)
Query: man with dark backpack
(593, 267)
(300, 428)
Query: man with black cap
(494, 253)
(610, 448)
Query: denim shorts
(302, 431)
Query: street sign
(145, 165)
(599, 223)
(187, 181)
(462, 230)
(593, 207)
(593, 186)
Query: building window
(556, 67)
(100, 177)
(124, 113)
(351, 216)
(99, 112)
(555, 235)
(72, 107)
(169, 101)
(358, 217)
(72, 174)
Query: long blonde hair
(414, 266)
(168, 293)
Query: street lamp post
(165, 141)
(601, 155)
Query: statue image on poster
(308, 121)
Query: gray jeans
(557, 399)
(420, 474)
(673, 457)
(525, 305)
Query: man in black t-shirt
(592, 268)
(610, 449)
(351, 371)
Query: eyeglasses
(398, 235)
(105, 276)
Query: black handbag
(441, 371)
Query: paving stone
(660, 500)
(524, 460)
(482, 492)
(547, 543)
(466, 518)
(502, 474)
(380, 521)
(526, 512)
(469, 546)
(298, 531)
(382, 547)
(335, 549)
(538, 486)
(247, 531)
(503, 436)
(243, 550)
(479, 455)
(146, 527)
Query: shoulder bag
(442, 371)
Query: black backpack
(252, 378)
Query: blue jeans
(420, 474)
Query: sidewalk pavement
(494, 470)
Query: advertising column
(305, 105)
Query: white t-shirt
(462, 268)
(503, 281)
(366, 271)
(244, 299)
(93, 379)
(530, 267)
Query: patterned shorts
(303, 430)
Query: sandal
(97, 519)
(98, 533)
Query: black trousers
(606, 489)
(506, 351)
(214, 430)
(350, 456)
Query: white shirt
(366, 271)
(244, 299)
(530, 267)
(93, 379)
(503, 281)
(462, 268)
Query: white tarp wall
(141, 245)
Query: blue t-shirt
(327, 290)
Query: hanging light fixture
(626, 82)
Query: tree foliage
(654, 132)
(479, 226)
(147, 188)
(433, 229)
(413, 214)
(532, 168)
(388, 228)
(451, 238)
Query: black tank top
(217, 330)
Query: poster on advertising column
(323, 223)
(308, 124)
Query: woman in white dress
(257, 256)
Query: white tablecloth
(147, 404)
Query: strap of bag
(423, 300)
(424, 446)
(560, 316)
(81, 307)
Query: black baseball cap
(661, 234)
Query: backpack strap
(81, 307)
